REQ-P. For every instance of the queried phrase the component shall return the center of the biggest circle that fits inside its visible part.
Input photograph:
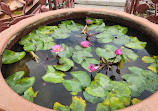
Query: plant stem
(34, 56)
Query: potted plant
(95, 86)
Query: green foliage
(64, 64)
(81, 53)
(29, 94)
(93, 20)
(20, 85)
(135, 101)
(46, 29)
(67, 52)
(10, 57)
(58, 107)
(117, 94)
(78, 104)
(53, 76)
(136, 44)
(36, 41)
(65, 29)
(140, 80)
(85, 63)
(154, 61)
(80, 80)
(102, 107)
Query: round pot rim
(10, 101)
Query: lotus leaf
(57, 106)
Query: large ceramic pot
(10, 101)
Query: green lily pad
(95, 90)
(46, 29)
(135, 81)
(36, 41)
(10, 57)
(129, 55)
(81, 53)
(136, 44)
(19, 85)
(135, 101)
(58, 107)
(89, 61)
(80, 80)
(67, 52)
(65, 64)
(102, 107)
(97, 27)
(121, 29)
(29, 94)
(53, 76)
(108, 52)
(78, 104)
(154, 67)
(104, 37)
(93, 99)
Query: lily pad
(135, 101)
(53, 76)
(29, 94)
(136, 44)
(10, 57)
(89, 61)
(65, 64)
(81, 53)
(135, 81)
(108, 52)
(78, 104)
(80, 80)
(20, 85)
(46, 29)
(102, 107)
(67, 52)
(93, 99)
(59, 107)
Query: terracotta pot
(10, 101)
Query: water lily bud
(85, 44)
(118, 52)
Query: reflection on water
(50, 93)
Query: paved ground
(98, 6)
(102, 2)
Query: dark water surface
(50, 93)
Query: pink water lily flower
(56, 48)
(92, 67)
(88, 21)
(118, 52)
(85, 44)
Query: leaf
(151, 79)
(135, 101)
(121, 39)
(20, 85)
(147, 59)
(65, 64)
(10, 57)
(107, 53)
(53, 76)
(89, 61)
(78, 104)
(121, 29)
(105, 37)
(120, 64)
(136, 44)
(135, 81)
(46, 29)
(57, 106)
(95, 90)
(97, 27)
(80, 80)
(154, 67)
(67, 52)
(93, 99)
(81, 53)
(29, 94)
(5, 8)
(102, 107)
(129, 54)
